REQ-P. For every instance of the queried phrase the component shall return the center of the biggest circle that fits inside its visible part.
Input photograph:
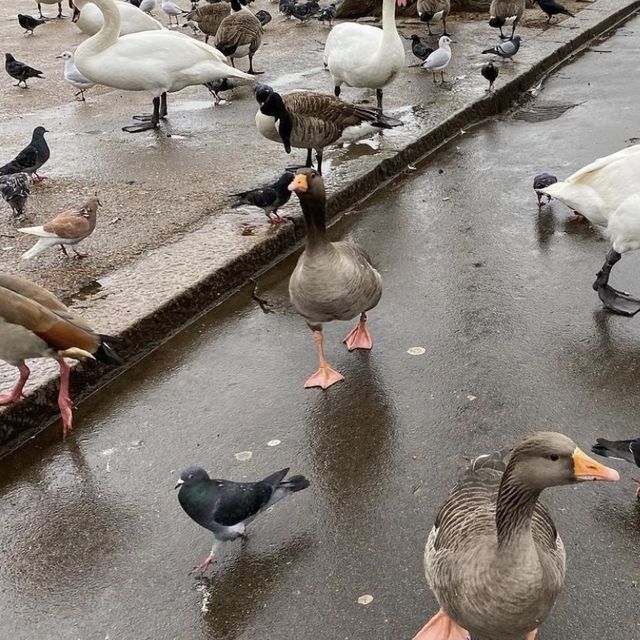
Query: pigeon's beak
(179, 484)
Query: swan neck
(110, 31)
(389, 18)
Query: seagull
(328, 14)
(506, 49)
(628, 450)
(31, 158)
(73, 76)
(19, 70)
(439, 59)
(226, 508)
(29, 23)
(420, 48)
(14, 189)
(147, 6)
(68, 228)
(553, 8)
(540, 182)
(172, 10)
(490, 72)
(263, 16)
(269, 198)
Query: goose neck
(110, 31)
(314, 211)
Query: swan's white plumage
(132, 19)
(624, 225)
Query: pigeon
(269, 198)
(225, 84)
(226, 508)
(490, 72)
(31, 158)
(540, 182)
(14, 190)
(135, 3)
(628, 450)
(29, 23)
(553, 8)
(73, 76)
(285, 7)
(303, 12)
(328, 14)
(506, 49)
(420, 48)
(19, 70)
(263, 16)
(172, 10)
(147, 6)
(439, 59)
(68, 228)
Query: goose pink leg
(64, 401)
(325, 376)
(442, 627)
(359, 337)
(16, 393)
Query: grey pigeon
(14, 190)
(226, 508)
(29, 23)
(328, 14)
(31, 158)
(506, 49)
(628, 450)
(490, 72)
(224, 84)
(269, 198)
(263, 16)
(420, 47)
(19, 70)
(303, 12)
(540, 182)
(285, 7)
(553, 8)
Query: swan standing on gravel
(360, 55)
(159, 62)
(88, 18)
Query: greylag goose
(628, 450)
(332, 280)
(429, 10)
(503, 10)
(35, 324)
(494, 559)
(239, 34)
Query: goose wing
(238, 29)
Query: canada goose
(239, 34)
(494, 559)
(209, 17)
(154, 61)
(430, 10)
(503, 10)
(332, 280)
(360, 55)
(310, 120)
(35, 324)
(88, 18)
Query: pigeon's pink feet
(576, 217)
(16, 393)
(37, 178)
(64, 401)
(203, 566)
(359, 337)
(324, 377)
(274, 218)
(78, 255)
(442, 627)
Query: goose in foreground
(73, 76)
(155, 61)
(14, 189)
(239, 34)
(29, 23)
(360, 55)
(434, 11)
(35, 324)
(332, 280)
(439, 59)
(41, 2)
(210, 17)
(88, 18)
(494, 559)
(68, 228)
(31, 158)
(503, 10)
(310, 120)
(628, 450)
(20, 71)
(227, 508)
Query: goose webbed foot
(16, 393)
(359, 337)
(442, 627)
(325, 376)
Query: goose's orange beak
(586, 468)
(300, 184)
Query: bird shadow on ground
(232, 600)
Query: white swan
(153, 61)
(360, 55)
(88, 18)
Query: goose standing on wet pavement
(20, 71)
(439, 59)
(239, 35)
(158, 62)
(15, 190)
(360, 55)
(29, 23)
(331, 281)
(73, 76)
(310, 120)
(434, 11)
(31, 158)
(35, 324)
(628, 450)
(227, 508)
(209, 17)
(503, 10)
(494, 559)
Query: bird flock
(493, 559)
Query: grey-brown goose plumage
(210, 17)
(239, 34)
(502, 10)
(332, 280)
(494, 559)
(311, 120)
(429, 10)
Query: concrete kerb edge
(22, 421)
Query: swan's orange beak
(586, 468)
(299, 184)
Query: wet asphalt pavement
(94, 544)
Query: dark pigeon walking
(328, 14)
(226, 508)
(303, 12)
(553, 8)
(29, 23)
(490, 72)
(506, 49)
(14, 190)
(628, 450)
(31, 158)
(540, 182)
(19, 70)
(268, 198)
(420, 48)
